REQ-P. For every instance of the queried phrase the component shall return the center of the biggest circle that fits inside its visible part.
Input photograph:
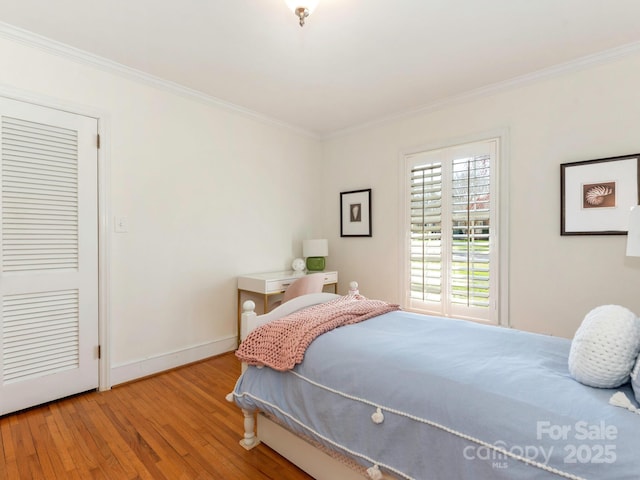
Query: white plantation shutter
(426, 232)
(452, 254)
(471, 223)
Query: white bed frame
(297, 450)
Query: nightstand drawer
(272, 286)
(330, 277)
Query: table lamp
(315, 251)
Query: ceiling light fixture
(302, 8)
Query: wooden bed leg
(250, 440)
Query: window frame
(498, 308)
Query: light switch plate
(120, 224)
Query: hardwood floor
(176, 425)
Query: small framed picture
(597, 195)
(355, 213)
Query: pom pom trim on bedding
(281, 344)
(374, 472)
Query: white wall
(209, 194)
(587, 114)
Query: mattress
(434, 398)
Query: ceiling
(354, 62)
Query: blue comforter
(434, 398)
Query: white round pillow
(605, 347)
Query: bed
(406, 396)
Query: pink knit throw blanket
(281, 344)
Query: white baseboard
(141, 368)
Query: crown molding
(51, 46)
(48, 45)
(503, 86)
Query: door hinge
(99, 352)
(98, 141)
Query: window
(452, 225)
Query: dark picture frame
(597, 195)
(355, 213)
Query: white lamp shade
(633, 235)
(308, 4)
(315, 248)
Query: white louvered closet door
(49, 255)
